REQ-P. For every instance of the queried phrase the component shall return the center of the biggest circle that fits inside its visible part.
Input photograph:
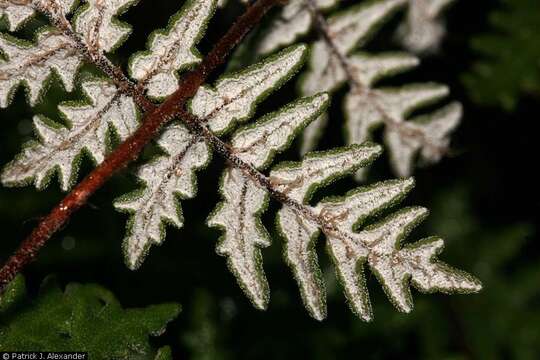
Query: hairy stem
(402, 128)
(129, 150)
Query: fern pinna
(191, 119)
(334, 63)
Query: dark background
(484, 201)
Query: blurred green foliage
(509, 63)
(82, 318)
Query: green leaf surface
(81, 318)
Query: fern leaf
(98, 25)
(60, 148)
(349, 30)
(81, 317)
(244, 201)
(369, 69)
(256, 144)
(300, 180)
(423, 29)
(420, 32)
(334, 62)
(354, 26)
(33, 65)
(171, 176)
(361, 111)
(233, 97)
(166, 179)
(399, 102)
(55, 52)
(172, 50)
(293, 21)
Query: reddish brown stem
(130, 149)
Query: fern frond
(214, 111)
(334, 62)
(245, 197)
(339, 219)
(349, 248)
(429, 137)
(60, 148)
(56, 52)
(300, 181)
(395, 266)
(420, 32)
